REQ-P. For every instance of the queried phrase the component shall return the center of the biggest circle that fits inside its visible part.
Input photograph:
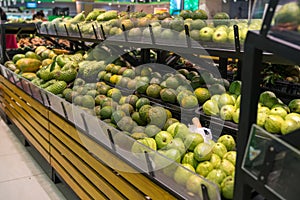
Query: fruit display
(217, 30)
(272, 113)
(92, 84)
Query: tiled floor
(21, 177)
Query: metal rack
(256, 43)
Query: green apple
(181, 174)
(204, 168)
(238, 101)
(188, 158)
(225, 99)
(192, 140)
(215, 160)
(215, 98)
(228, 141)
(193, 184)
(216, 176)
(219, 149)
(289, 125)
(236, 115)
(231, 38)
(227, 167)
(227, 187)
(222, 27)
(171, 128)
(263, 109)
(163, 138)
(293, 116)
(206, 34)
(243, 33)
(203, 152)
(226, 112)
(219, 36)
(273, 123)
(230, 156)
(181, 131)
(261, 118)
(178, 144)
(173, 154)
(278, 111)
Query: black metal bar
(66, 29)
(55, 29)
(125, 33)
(102, 31)
(133, 61)
(268, 18)
(236, 38)
(95, 33)
(187, 35)
(149, 165)
(248, 111)
(239, 69)
(3, 44)
(47, 31)
(47, 97)
(205, 195)
(30, 89)
(42, 97)
(37, 25)
(112, 142)
(84, 123)
(79, 31)
(145, 56)
(223, 62)
(151, 34)
(64, 110)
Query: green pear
(204, 168)
(163, 138)
(219, 149)
(192, 140)
(230, 156)
(181, 131)
(215, 160)
(203, 152)
(228, 141)
(181, 174)
(227, 167)
(227, 187)
(178, 144)
(188, 158)
(289, 125)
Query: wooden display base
(60, 143)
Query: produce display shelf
(77, 150)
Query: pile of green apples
(272, 114)
(200, 160)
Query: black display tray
(217, 125)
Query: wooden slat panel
(69, 180)
(119, 183)
(42, 120)
(32, 120)
(27, 122)
(77, 176)
(11, 114)
(98, 181)
(38, 106)
(138, 180)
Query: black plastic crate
(286, 91)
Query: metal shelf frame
(255, 44)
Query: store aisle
(21, 177)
